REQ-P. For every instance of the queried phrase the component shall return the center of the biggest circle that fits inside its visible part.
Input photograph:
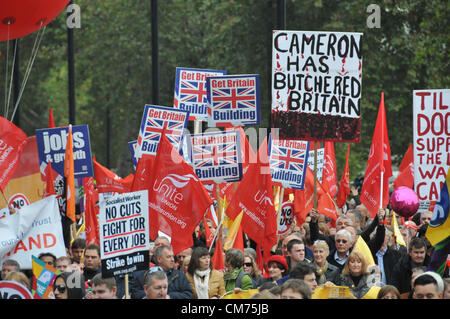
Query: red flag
(91, 211)
(69, 174)
(325, 203)
(51, 121)
(344, 184)
(304, 199)
(217, 259)
(12, 141)
(108, 181)
(50, 176)
(406, 168)
(259, 259)
(408, 158)
(209, 236)
(177, 198)
(254, 196)
(378, 171)
(247, 156)
(329, 174)
(406, 178)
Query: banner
(190, 91)
(36, 229)
(316, 85)
(155, 121)
(124, 235)
(233, 100)
(288, 162)
(431, 127)
(52, 147)
(216, 157)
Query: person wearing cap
(278, 269)
(428, 285)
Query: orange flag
(69, 174)
(91, 211)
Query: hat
(436, 277)
(279, 259)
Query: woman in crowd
(388, 292)
(62, 290)
(251, 268)
(355, 275)
(326, 272)
(277, 267)
(206, 282)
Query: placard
(216, 157)
(316, 85)
(52, 147)
(155, 120)
(190, 91)
(233, 100)
(14, 290)
(124, 234)
(431, 114)
(320, 162)
(288, 161)
(286, 217)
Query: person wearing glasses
(156, 284)
(251, 268)
(75, 290)
(343, 243)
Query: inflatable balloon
(404, 201)
(26, 16)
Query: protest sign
(288, 162)
(316, 85)
(123, 224)
(233, 100)
(52, 147)
(190, 91)
(36, 229)
(155, 121)
(320, 162)
(14, 290)
(431, 126)
(286, 217)
(216, 157)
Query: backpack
(239, 280)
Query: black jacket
(401, 274)
(179, 286)
(390, 259)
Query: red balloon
(26, 16)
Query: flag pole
(315, 174)
(280, 202)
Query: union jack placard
(216, 157)
(190, 91)
(233, 100)
(155, 121)
(288, 161)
